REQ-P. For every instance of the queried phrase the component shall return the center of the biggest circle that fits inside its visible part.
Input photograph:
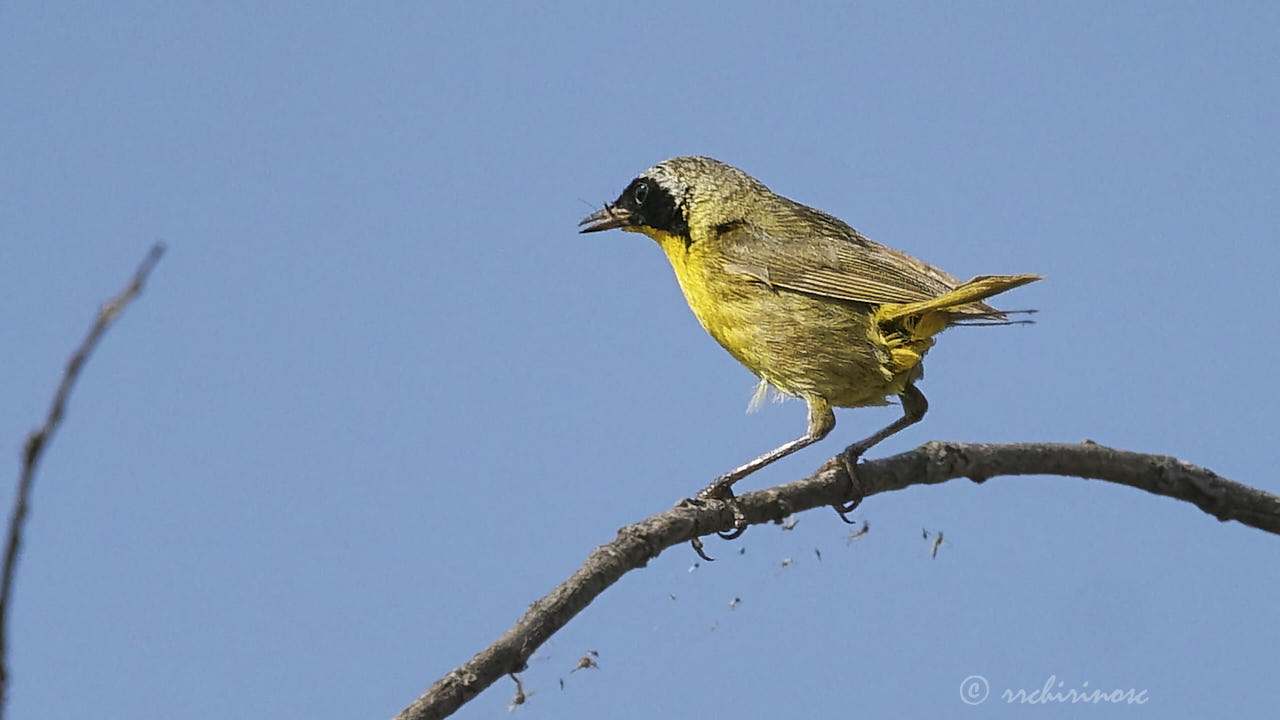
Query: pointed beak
(608, 218)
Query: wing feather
(815, 253)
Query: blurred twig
(928, 464)
(39, 439)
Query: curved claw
(739, 519)
(843, 510)
(851, 469)
(733, 534)
(696, 543)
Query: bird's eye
(641, 192)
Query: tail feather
(969, 294)
(993, 317)
(908, 328)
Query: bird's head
(682, 197)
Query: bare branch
(929, 464)
(39, 439)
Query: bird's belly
(800, 344)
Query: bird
(815, 309)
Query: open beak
(608, 218)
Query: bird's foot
(721, 490)
(849, 460)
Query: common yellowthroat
(807, 303)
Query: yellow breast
(710, 294)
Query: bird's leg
(821, 421)
(914, 406)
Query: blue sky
(379, 395)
